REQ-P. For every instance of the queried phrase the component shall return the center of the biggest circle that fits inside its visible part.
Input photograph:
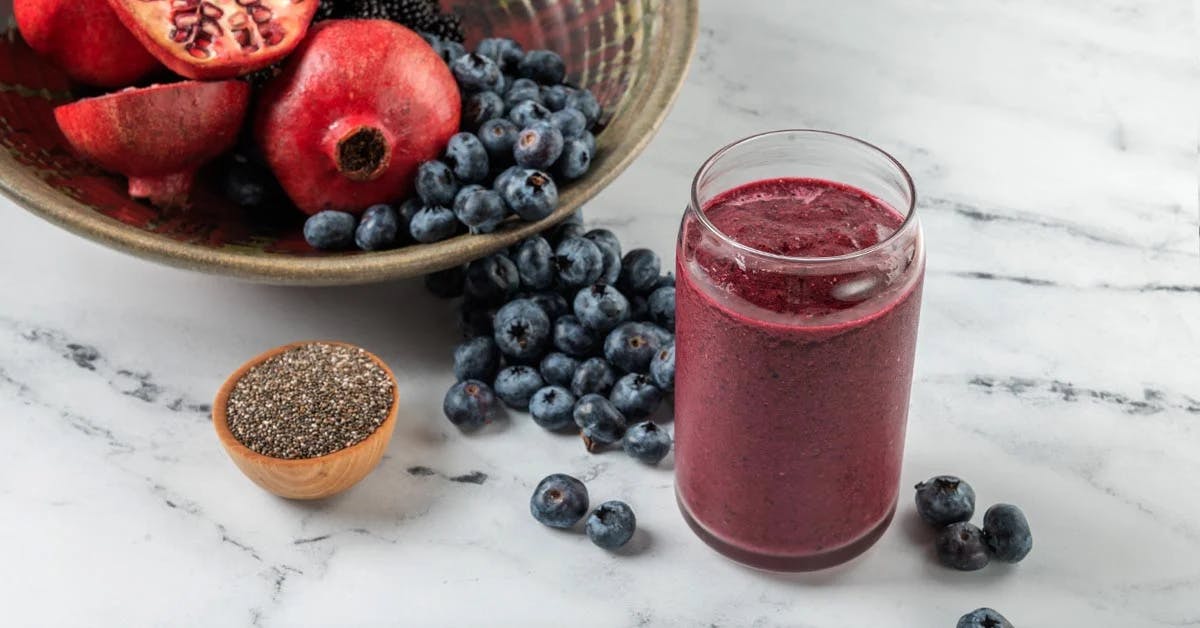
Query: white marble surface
(1054, 145)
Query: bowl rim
(675, 52)
(235, 448)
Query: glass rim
(906, 225)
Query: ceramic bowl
(633, 54)
(304, 478)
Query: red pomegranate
(85, 39)
(357, 108)
(157, 136)
(217, 39)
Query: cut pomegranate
(85, 39)
(157, 136)
(214, 39)
(346, 123)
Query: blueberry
(601, 307)
(573, 337)
(330, 230)
(599, 420)
(579, 262)
(566, 230)
(246, 183)
(436, 184)
(639, 271)
(475, 319)
(526, 112)
(558, 368)
(477, 358)
(586, 103)
(555, 96)
(631, 346)
(605, 238)
(589, 140)
(506, 177)
(433, 224)
(532, 195)
(662, 368)
(498, 137)
(667, 280)
(451, 51)
(378, 228)
(446, 284)
(522, 89)
(636, 396)
(535, 264)
(639, 308)
(647, 442)
(594, 376)
(504, 51)
(575, 160)
(983, 618)
(945, 499)
(961, 546)
(469, 404)
(662, 307)
(559, 501)
(662, 336)
(1007, 533)
(538, 146)
(467, 158)
(522, 330)
(480, 108)
(515, 385)
(553, 408)
(611, 525)
(570, 122)
(543, 66)
(492, 279)
(482, 210)
(552, 303)
(476, 73)
(460, 199)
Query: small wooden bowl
(305, 478)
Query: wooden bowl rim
(672, 58)
(235, 447)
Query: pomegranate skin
(158, 136)
(85, 39)
(217, 39)
(358, 106)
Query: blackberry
(415, 14)
(447, 26)
(328, 9)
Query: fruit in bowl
(511, 122)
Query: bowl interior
(631, 53)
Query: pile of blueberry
(948, 503)
(522, 130)
(560, 501)
(571, 330)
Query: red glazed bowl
(632, 54)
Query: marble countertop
(1054, 146)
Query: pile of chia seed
(309, 401)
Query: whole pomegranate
(216, 39)
(356, 109)
(157, 136)
(85, 39)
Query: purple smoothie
(792, 387)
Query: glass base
(772, 562)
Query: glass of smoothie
(799, 269)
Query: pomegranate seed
(211, 10)
(261, 14)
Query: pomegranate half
(217, 39)
(85, 39)
(157, 136)
(356, 109)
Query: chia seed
(309, 401)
